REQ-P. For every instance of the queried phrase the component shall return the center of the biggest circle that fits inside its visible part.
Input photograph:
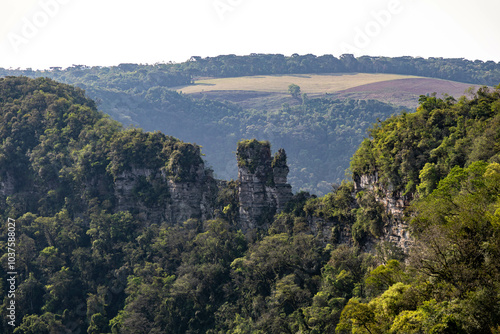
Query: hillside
(310, 83)
(319, 133)
(441, 164)
(77, 190)
(122, 231)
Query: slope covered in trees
(85, 265)
(415, 150)
(446, 158)
(140, 95)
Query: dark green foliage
(59, 158)
(450, 282)
(370, 218)
(337, 205)
(253, 153)
(296, 205)
(227, 202)
(83, 265)
(279, 160)
(134, 148)
(424, 146)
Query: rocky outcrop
(263, 187)
(157, 198)
(7, 186)
(330, 231)
(126, 184)
(395, 229)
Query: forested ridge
(317, 133)
(85, 266)
(142, 77)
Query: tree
(356, 315)
(294, 90)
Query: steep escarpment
(59, 152)
(393, 228)
(156, 197)
(406, 156)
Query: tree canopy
(323, 266)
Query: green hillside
(83, 264)
(319, 135)
(446, 158)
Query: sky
(40, 34)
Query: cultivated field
(405, 92)
(309, 83)
(271, 91)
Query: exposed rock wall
(263, 187)
(395, 228)
(263, 190)
(7, 186)
(170, 200)
(329, 231)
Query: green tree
(357, 317)
(294, 90)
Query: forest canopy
(322, 266)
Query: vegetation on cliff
(317, 135)
(322, 266)
(417, 150)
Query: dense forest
(85, 265)
(320, 135)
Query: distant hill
(406, 91)
(309, 83)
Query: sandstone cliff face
(7, 186)
(157, 198)
(330, 232)
(263, 187)
(395, 229)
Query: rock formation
(263, 188)
(395, 229)
(157, 197)
(7, 186)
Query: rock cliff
(156, 197)
(395, 229)
(263, 188)
(7, 186)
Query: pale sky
(44, 33)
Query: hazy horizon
(40, 34)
